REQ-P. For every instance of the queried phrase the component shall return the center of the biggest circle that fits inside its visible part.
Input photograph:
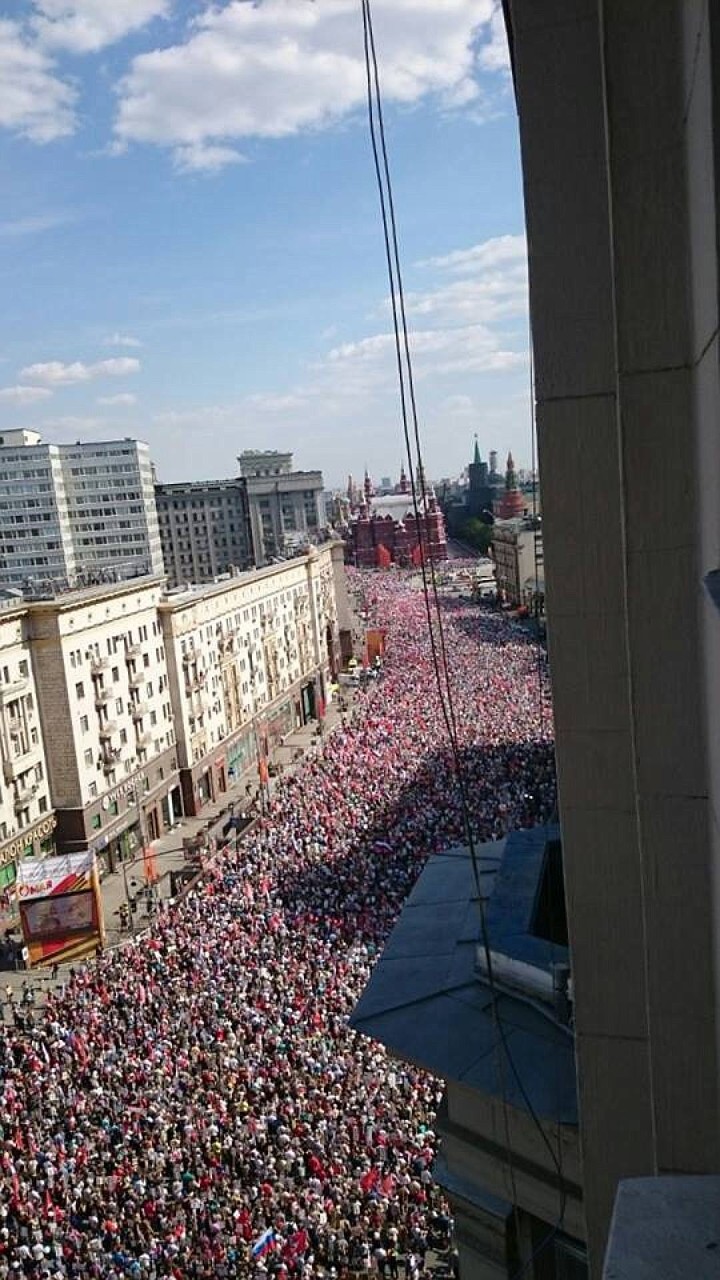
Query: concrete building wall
(204, 528)
(26, 816)
(617, 107)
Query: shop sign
(16, 848)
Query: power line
(438, 650)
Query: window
(119, 705)
(123, 736)
(83, 724)
(113, 807)
(88, 757)
(42, 804)
(115, 671)
(96, 820)
(80, 689)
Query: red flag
(383, 559)
(369, 1180)
(263, 770)
(417, 556)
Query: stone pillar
(617, 108)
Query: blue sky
(190, 243)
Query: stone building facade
(249, 660)
(105, 705)
(123, 707)
(27, 820)
(204, 529)
(517, 550)
(385, 530)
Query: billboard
(374, 643)
(60, 907)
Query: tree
(476, 534)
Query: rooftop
(428, 1002)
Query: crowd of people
(194, 1104)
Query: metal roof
(427, 1004)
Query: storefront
(240, 755)
(115, 825)
(280, 722)
(36, 842)
(307, 697)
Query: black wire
(448, 711)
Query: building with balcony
(250, 659)
(75, 514)
(105, 704)
(27, 820)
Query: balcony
(14, 689)
(102, 697)
(138, 710)
(145, 739)
(24, 796)
(110, 760)
(107, 730)
(19, 763)
(135, 679)
(97, 665)
(132, 651)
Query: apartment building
(75, 514)
(105, 707)
(122, 707)
(287, 508)
(204, 529)
(250, 659)
(27, 820)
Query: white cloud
(34, 223)
(272, 69)
(24, 395)
(494, 56)
(459, 405)
(202, 157)
(55, 373)
(124, 398)
(466, 349)
(122, 340)
(487, 284)
(84, 26)
(33, 100)
(495, 252)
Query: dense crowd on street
(194, 1105)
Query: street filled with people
(194, 1104)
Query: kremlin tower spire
(511, 503)
(404, 486)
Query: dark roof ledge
(665, 1229)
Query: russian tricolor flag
(263, 1243)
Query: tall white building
(73, 514)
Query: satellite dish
(105, 803)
